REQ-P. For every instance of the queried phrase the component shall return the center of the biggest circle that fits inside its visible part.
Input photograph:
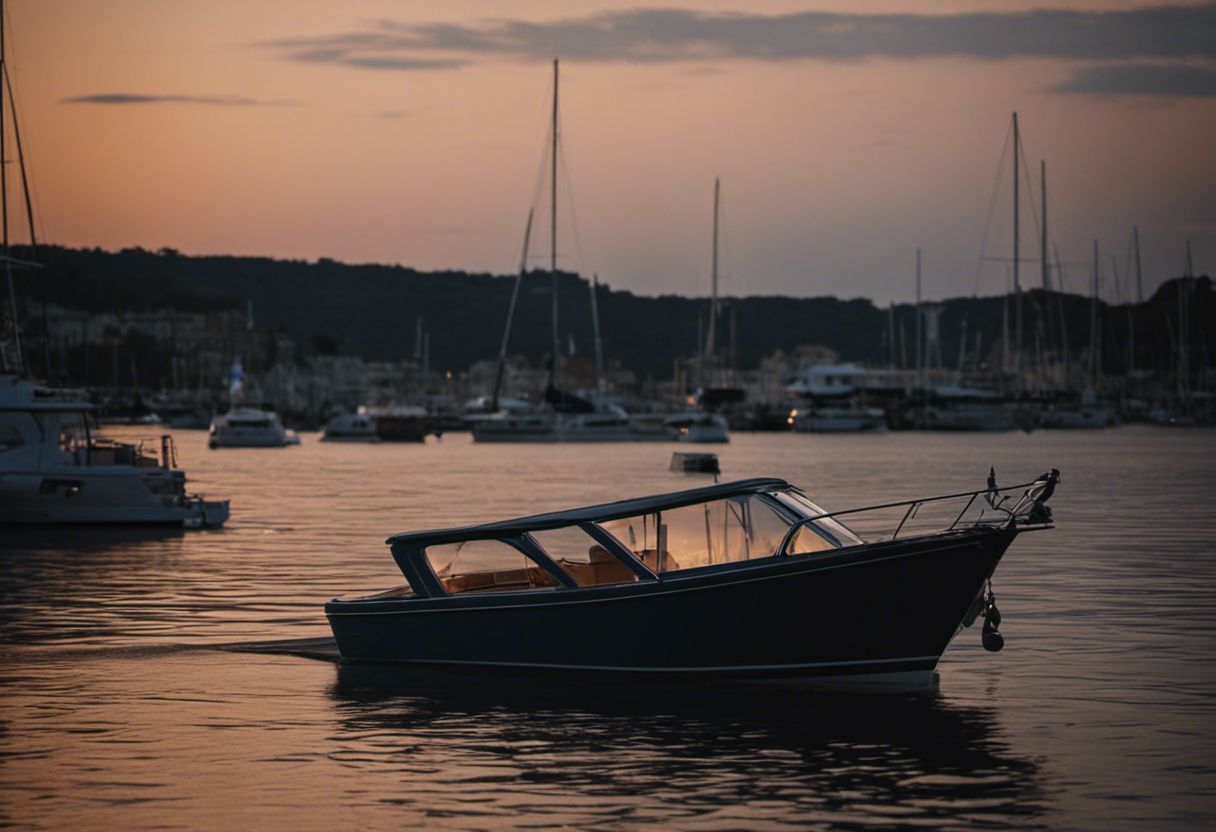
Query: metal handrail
(914, 506)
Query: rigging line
(541, 169)
(25, 182)
(996, 193)
(724, 256)
(578, 240)
(33, 214)
(1034, 210)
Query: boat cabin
(647, 539)
(42, 427)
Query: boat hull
(100, 495)
(887, 609)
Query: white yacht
(250, 427)
(607, 423)
(351, 427)
(55, 468)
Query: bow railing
(994, 506)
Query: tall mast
(919, 339)
(962, 345)
(711, 338)
(553, 232)
(1005, 364)
(1184, 359)
(1060, 311)
(1017, 285)
(3, 161)
(506, 334)
(1043, 249)
(1139, 277)
(595, 331)
(17, 360)
(891, 350)
(1095, 340)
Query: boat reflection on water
(680, 752)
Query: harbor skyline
(374, 132)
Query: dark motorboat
(746, 579)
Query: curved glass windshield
(582, 558)
(485, 566)
(829, 527)
(723, 531)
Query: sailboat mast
(553, 230)
(595, 331)
(8, 267)
(1184, 337)
(1094, 338)
(1139, 276)
(3, 160)
(1017, 285)
(1043, 248)
(891, 350)
(506, 334)
(711, 338)
(920, 382)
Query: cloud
(1179, 80)
(122, 98)
(680, 35)
(393, 114)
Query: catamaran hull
(879, 610)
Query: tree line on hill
(375, 311)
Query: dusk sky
(412, 133)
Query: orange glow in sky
(376, 130)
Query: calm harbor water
(119, 707)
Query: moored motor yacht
(746, 579)
(250, 427)
(350, 427)
(601, 423)
(55, 468)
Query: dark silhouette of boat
(747, 579)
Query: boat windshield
(842, 534)
(485, 566)
(722, 531)
(582, 558)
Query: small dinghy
(747, 579)
(691, 463)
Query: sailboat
(54, 466)
(703, 425)
(567, 417)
